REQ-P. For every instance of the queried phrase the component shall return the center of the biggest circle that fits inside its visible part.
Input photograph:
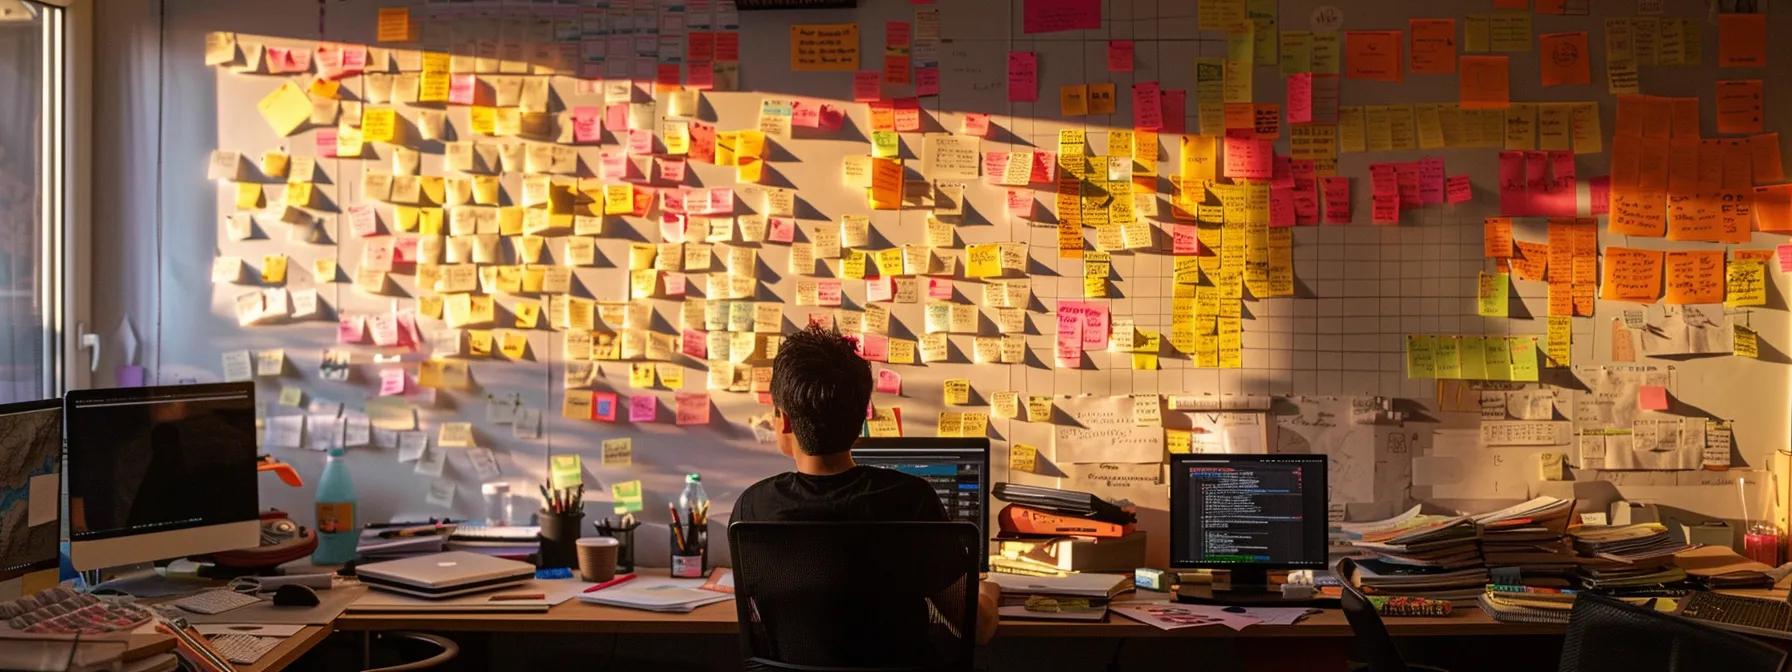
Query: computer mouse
(1232, 610)
(294, 595)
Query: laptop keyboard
(1743, 611)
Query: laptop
(1749, 615)
(444, 575)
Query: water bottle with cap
(690, 532)
(337, 534)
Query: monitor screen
(958, 469)
(1248, 511)
(158, 459)
(30, 459)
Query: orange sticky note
(394, 24)
(1433, 46)
(1739, 106)
(1372, 55)
(1564, 59)
(1695, 277)
(1683, 117)
(1485, 82)
(1496, 240)
(1742, 40)
(1764, 157)
(1073, 100)
(1634, 275)
(1773, 207)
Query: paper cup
(597, 558)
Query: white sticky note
(441, 493)
(41, 507)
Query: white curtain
(21, 207)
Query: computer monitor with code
(957, 468)
(1248, 514)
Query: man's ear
(787, 442)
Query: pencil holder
(625, 554)
(690, 557)
(559, 534)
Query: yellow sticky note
(619, 452)
(513, 344)
(1022, 457)
(248, 196)
(379, 124)
(273, 269)
(285, 109)
(640, 375)
(958, 391)
(1039, 409)
(1745, 343)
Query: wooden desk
(290, 650)
(719, 619)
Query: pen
(677, 527)
(417, 531)
(611, 582)
(518, 596)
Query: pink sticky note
(1384, 178)
(362, 221)
(702, 75)
(1020, 203)
(721, 201)
(1599, 193)
(1281, 206)
(1336, 194)
(780, 229)
(1095, 327)
(1384, 208)
(640, 141)
(827, 291)
(1431, 180)
(693, 409)
(1458, 190)
(867, 86)
(326, 142)
(391, 382)
(1183, 239)
(927, 81)
(672, 227)
(883, 288)
(908, 114)
(1120, 55)
(974, 124)
(616, 116)
(1051, 16)
(939, 288)
(889, 381)
(404, 250)
(351, 328)
(1300, 98)
(1069, 350)
(612, 164)
(832, 117)
(1561, 165)
(1406, 176)
(897, 33)
(805, 114)
(603, 406)
(1784, 253)
(675, 284)
(1147, 106)
(460, 89)
(1249, 158)
(1536, 171)
(874, 347)
(1023, 76)
(703, 142)
(695, 343)
(1652, 398)
(587, 124)
(643, 408)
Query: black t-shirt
(860, 493)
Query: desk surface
(719, 619)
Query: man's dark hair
(823, 387)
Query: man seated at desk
(820, 390)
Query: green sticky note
(1420, 352)
(565, 471)
(1491, 297)
(1524, 358)
(1473, 350)
(1499, 359)
(886, 144)
(627, 497)
(1447, 358)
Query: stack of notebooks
(1078, 597)
(657, 593)
(393, 543)
(1719, 567)
(1526, 605)
(516, 542)
(1616, 558)
(1051, 532)
(1415, 555)
(1528, 545)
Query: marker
(620, 579)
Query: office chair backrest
(1373, 645)
(1607, 635)
(856, 595)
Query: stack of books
(1528, 545)
(1051, 532)
(1080, 597)
(1616, 558)
(1416, 555)
(1521, 604)
(392, 543)
(1720, 567)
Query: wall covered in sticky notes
(559, 233)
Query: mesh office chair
(1607, 635)
(856, 596)
(1375, 650)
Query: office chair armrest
(449, 650)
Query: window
(31, 199)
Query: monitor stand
(1248, 588)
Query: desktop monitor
(160, 472)
(958, 469)
(1248, 514)
(30, 487)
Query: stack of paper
(657, 594)
(1440, 542)
(1627, 556)
(1527, 607)
(372, 547)
(513, 542)
(1717, 567)
(1079, 596)
(1529, 540)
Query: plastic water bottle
(337, 533)
(693, 512)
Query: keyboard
(1772, 618)
(244, 649)
(216, 601)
